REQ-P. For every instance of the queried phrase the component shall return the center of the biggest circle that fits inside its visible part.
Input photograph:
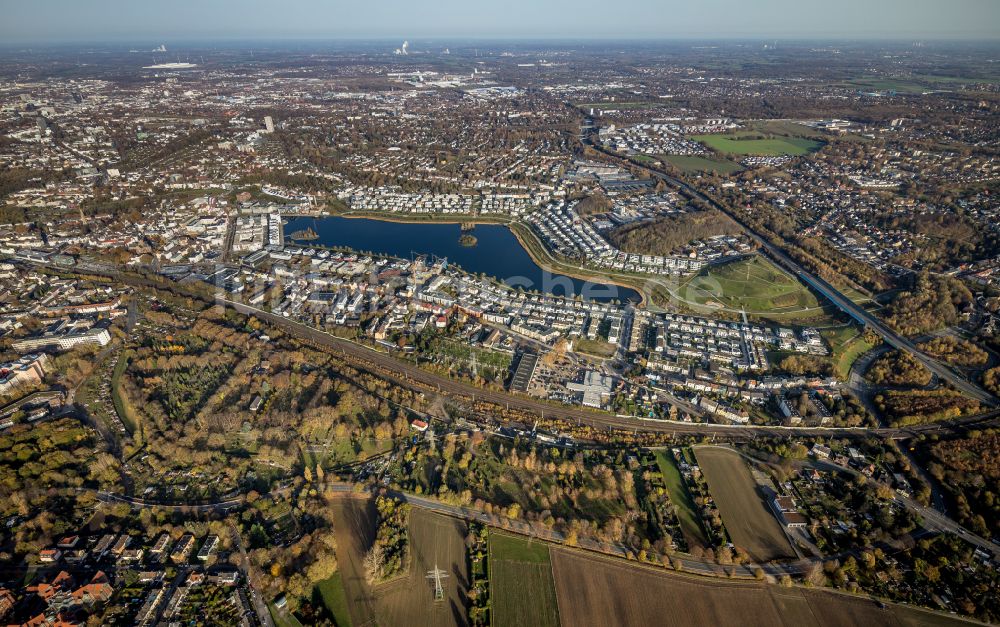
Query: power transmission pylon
(437, 575)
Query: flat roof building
(596, 388)
(524, 371)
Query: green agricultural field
(521, 582)
(934, 79)
(681, 499)
(283, 618)
(331, 592)
(737, 145)
(754, 284)
(902, 86)
(691, 164)
(786, 128)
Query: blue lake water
(497, 252)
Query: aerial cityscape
(456, 314)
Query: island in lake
(496, 253)
(306, 234)
(468, 240)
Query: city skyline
(115, 20)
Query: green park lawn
(737, 145)
(331, 591)
(846, 344)
(754, 284)
(692, 164)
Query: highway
(933, 520)
(890, 337)
(852, 309)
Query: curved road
(691, 564)
(411, 376)
(852, 309)
(933, 522)
(408, 374)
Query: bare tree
(374, 562)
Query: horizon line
(645, 39)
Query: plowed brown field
(596, 591)
(749, 520)
(408, 599)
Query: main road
(933, 522)
(852, 309)
(410, 375)
(801, 566)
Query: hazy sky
(141, 20)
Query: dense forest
(933, 303)
(805, 365)
(991, 380)
(955, 351)
(593, 204)
(664, 236)
(898, 368)
(969, 468)
(921, 406)
(389, 554)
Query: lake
(497, 252)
